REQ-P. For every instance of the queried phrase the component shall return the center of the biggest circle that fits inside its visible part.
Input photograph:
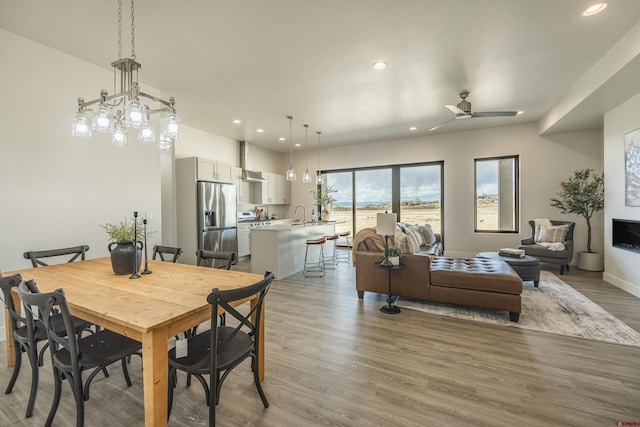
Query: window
(414, 191)
(496, 195)
(342, 209)
(421, 195)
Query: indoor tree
(581, 194)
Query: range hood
(245, 156)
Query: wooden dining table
(150, 309)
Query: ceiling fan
(463, 111)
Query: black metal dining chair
(215, 259)
(28, 343)
(161, 251)
(74, 251)
(70, 355)
(217, 352)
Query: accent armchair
(534, 249)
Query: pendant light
(291, 173)
(307, 176)
(319, 173)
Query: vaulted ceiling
(259, 61)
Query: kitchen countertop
(292, 226)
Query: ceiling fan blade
(495, 114)
(441, 124)
(454, 109)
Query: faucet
(304, 213)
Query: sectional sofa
(429, 276)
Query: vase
(325, 214)
(122, 256)
(395, 260)
(590, 261)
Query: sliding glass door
(421, 195)
(413, 191)
(372, 196)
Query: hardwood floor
(332, 359)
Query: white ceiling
(261, 60)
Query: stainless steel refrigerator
(217, 219)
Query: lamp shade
(386, 224)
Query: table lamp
(386, 226)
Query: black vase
(122, 256)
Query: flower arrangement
(324, 197)
(124, 231)
(394, 251)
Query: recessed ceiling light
(282, 138)
(236, 122)
(519, 113)
(379, 65)
(595, 8)
(296, 145)
(413, 128)
(259, 130)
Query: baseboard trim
(622, 284)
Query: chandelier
(116, 113)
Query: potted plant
(394, 255)
(583, 194)
(125, 245)
(324, 199)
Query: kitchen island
(281, 247)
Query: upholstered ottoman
(479, 282)
(527, 267)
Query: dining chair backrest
(7, 284)
(49, 305)
(75, 252)
(161, 251)
(215, 259)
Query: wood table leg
(11, 352)
(261, 334)
(155, 362)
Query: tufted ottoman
(478, 282)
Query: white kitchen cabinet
(283, 190)
(275, 191)
(244, 240)
(214, 171)
(242, 188)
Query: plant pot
(395, 260)
(123, 255)
(325, 215)
(590, 261)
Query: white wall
(58, 189)
(544, 162)
(621, 266)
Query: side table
(390, 308)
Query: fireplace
(626, 234)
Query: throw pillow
(553, 234)
(406, 243)
(413, 231)
(428, 234)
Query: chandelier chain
(133, 31)
(119, 29)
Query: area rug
(553, 307)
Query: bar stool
(314, 268)
(343, 250)
(330, 260)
